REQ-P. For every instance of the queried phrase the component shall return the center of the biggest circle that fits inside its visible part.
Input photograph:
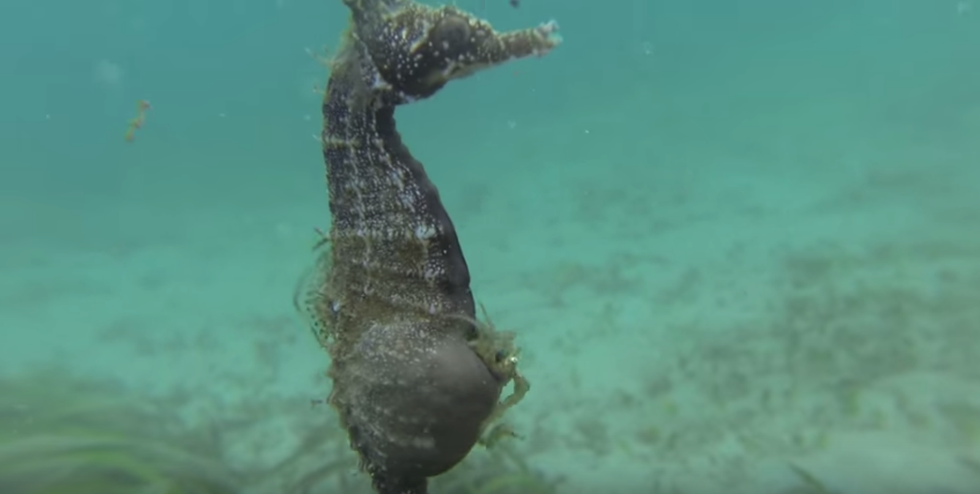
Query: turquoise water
(738, 242)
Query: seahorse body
(414, 377)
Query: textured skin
(392, 301)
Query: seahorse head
(414, 50)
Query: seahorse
(416, 378)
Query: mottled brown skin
(415, 378)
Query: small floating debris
(137, 123)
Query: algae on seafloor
(324, 467)
(66, 435)
(500, 470)
(60, 435)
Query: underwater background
(739, 242)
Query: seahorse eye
(453, 31)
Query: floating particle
(137, 123)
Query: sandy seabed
(739, 321)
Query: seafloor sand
(693, 319)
